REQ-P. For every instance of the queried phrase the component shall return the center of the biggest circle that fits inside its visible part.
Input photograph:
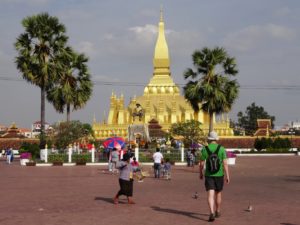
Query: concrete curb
(263, 155)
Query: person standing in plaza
(214, 157)
(8, 155)
(125, 179)
(157, 158)
(114, 160)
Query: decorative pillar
(74, 147)
(46, 153)
(93, 153)
(182, 152)
(70, 153)
(136, 152)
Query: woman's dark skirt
(126, 187)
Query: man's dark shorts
(214, 183)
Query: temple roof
(264, 127)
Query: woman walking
(125, 179)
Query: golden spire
(161, 59)
(161, 13)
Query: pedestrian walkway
(83, 195)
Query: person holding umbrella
(125, 179)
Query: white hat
(213, 136)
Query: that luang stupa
(160, 102)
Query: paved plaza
(82, 195)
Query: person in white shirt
(157, 158)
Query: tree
(210, 87)
(74, 86)
(38, 49)
(190, 131)
(248, 120)
(69, 132)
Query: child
(136, 168)
(167, 169)
(125, 179)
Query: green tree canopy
(248, 119)
(73, 86)
(211, 87)
(190, 131)
(69, 132)
(38, 48)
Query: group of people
(161, 165)
(213, 167)
(191, 157)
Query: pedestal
(231, 161)
(23, 162)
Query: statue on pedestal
(138, 112)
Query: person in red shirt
(136, 168)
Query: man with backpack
(214, 157)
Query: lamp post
(292, 132)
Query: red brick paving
(83, 195)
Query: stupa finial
(161, 13)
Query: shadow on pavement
(288, 224)
(105, 199)
(184, 213)
(110, 200)
(292, 178)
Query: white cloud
(253, 36)
(146, 33)
(87, 48)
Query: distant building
(28, 133)
(12, 132)
(264, 128)
(36, 126)
(3, 128)
(295, 125)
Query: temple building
(161, 101)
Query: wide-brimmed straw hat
(213, 136)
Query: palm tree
(210, 87)
(38, 47)
(74, 86)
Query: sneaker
(217, 214)
(211, 218)
(140, 180)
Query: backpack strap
(210, 152)
(218, 148)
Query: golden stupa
(161, 101)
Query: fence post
(93, 153)
(136, 152)
(70, 153)
(46, 153)
(182, 153)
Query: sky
(119, 38)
